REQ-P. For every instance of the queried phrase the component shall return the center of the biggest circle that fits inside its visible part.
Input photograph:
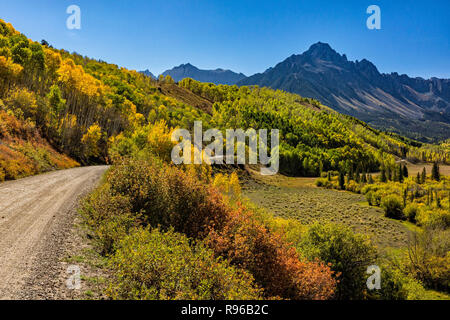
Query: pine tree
(341, 180)
(383, 177)
(400, 173)
(405, 196)
(424, 175)
(418, 179)
(389, 173)
(435, 175)
(438, 200)
(329, 176)
(405, 171)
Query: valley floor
(299, 198)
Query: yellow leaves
(22, 102)
(9, 69)
(53, 60)
(159, 140)
(228, 185)
(74, 78)
(134, 118)
(91, 140)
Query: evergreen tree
(341, 180)
(438, 200)
(399, 173)
(435, 175)
(389, 173)
(329, 176)
(405, 171)
(370, 179)
(405, 197)
(383, 177)
(424, 175)
(418, 179)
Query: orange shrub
(274, 264)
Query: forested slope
(80, 104)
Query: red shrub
(274, 264)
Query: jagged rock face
(387, 101)
(218, 76)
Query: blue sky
(244, 36)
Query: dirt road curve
(36, 214)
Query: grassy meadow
(299, 198)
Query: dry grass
(414, 168)
(298, 198)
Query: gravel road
(36, 216)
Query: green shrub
(434, 217)
(109, 218)
(392, 206)
(353, 187)
(324, 182)
(153, 265)
(429, 258)
(376, 198)
(320, 182)
(349, 254)
(396, 285)
(369, 198)
(411, 212)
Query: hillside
(217, 76)
(314, 138)
(23, 152)
(82, 104)
(415, 107)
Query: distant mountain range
(414, 107)
(218, 76)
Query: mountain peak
(186, 65)
(323, 51)
(358, 89)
